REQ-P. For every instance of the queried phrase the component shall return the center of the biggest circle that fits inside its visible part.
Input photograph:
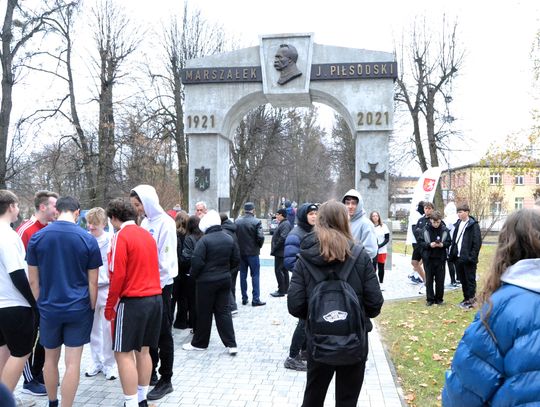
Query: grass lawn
(421, 340)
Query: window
(519, 180)
(495, 208)
(518, 203)
(495, 178)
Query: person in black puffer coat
(179, 294)
(214, 256)
(326, 249)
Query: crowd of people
(438, 244)
(136, 273)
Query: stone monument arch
(288, 70)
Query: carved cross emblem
(373, 175)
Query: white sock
(131, 401)
(142, 391)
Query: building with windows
(492, 192)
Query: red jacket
(133, 265)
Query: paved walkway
(256, 376)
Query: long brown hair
(519, 239)
(181, 220)
(333, 231)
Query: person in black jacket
(433, 241)
(179, 293)
(191, 239)
(277, 250)
(229, 227)
(326, 249)
(466, 244)
(214, 256)
(250, 240)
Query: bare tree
(116, 40)
(194, 38)
(20, 25)
(343, 151)
(256, 137)
(428, 67)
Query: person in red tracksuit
(134, 303)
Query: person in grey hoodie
(362, 228)
(163, 229)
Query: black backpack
(336, 327)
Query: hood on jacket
(360, 211)
(211, 218)
(450, 213)
(525, 273)
(229, 225)
(301, 216)
(470, 222)
(149, 198)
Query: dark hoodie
(362, 279)
(295, 236)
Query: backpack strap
(349, 263)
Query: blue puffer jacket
(295, 236)
(501, 368)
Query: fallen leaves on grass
(436, 356)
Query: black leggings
(380, 269)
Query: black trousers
(234, 276)
(184, 289)
(452, 271)
(435, 272)
(282, 274)
(165, 350)
(349, 381)
(33, 368)
(298, 341)
(466, 273)
(213, 298)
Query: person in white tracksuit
(101, 338)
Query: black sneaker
(295, 364)
(161, 390)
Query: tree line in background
(114, 116)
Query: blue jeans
(254, 265)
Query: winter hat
(312, 208)
(211, 218)
(249, 206)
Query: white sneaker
(234, 312)
(93, 371)
(233, 351)
(189, 346)
(24, 402)
(110, 374)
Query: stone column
(210, 151)
(372, 147)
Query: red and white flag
(423, 191)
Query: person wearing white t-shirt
(383, 238)
(17, 304)
(101, 337)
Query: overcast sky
(492, 95)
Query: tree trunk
(7, 88)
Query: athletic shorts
(417, 253)
(17, 330)
(381, 258)
(137, 324)
(70, 328)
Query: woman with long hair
(497, 361)
(179, 294)
(383, 237)
(192, 237)
(326, 251)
